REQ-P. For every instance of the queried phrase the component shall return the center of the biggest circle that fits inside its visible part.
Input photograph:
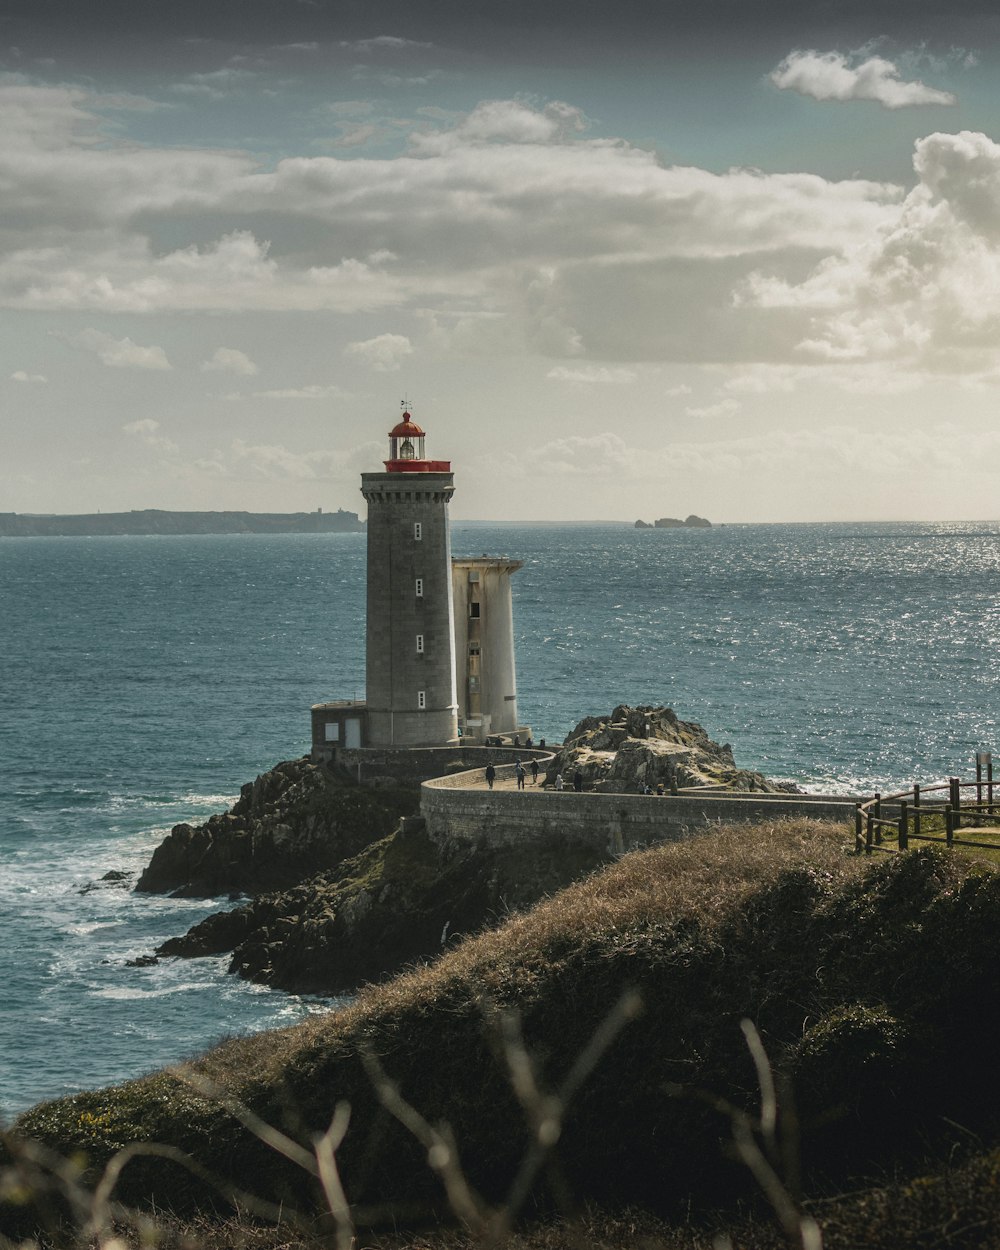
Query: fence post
(949, 825)
(859, 825)
(904, 834)
(869, 831)
(956, 800)
(989, 782)
(916, 811)
(878, 819)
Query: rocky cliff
(292, 822)
(637, 746)
(401, 901)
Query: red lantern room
(406, 450)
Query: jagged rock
(292, 822)
(643, 525)
(697, 522)
(637, 746)
(394, 904)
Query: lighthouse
(410, 637)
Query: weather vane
(405, 404)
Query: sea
(143, 680)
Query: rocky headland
(292, 822)
(348, 887)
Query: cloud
(277, 462)
(384, 354)
(924, 288)
(589, 374)
(724, 408)
(19, 375)
(121, 353)
(312, 391)
(831, 76)
(521, 232)
(145, 429)
(229, 360)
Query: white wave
(131, 994)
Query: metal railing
(890, 822)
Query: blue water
(143, 680)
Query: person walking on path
(578, 781)
(534, 772)
(491, 775)
(519, 774)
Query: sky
(622, 258)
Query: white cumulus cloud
(19, 375)
(229, 360)
(832, 76)
(121, 353)
(384, 353)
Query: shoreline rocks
(292, 822)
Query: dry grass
(864, 978)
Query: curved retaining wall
(614, 822)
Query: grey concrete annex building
(439, 659)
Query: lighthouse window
(474, 648)
(421, 699)
(420, 644)
(419, 588)
(418, 531)
(474, 610)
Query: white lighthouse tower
(410, 660)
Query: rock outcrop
(294, 821)
(400, 901)
(637, 746)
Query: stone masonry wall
(616, 822)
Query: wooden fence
(890, 822)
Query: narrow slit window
(418, 531)
(420, 644)
(421, 700)
(474, 610)
(419, 588)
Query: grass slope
(873, 984)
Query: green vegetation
(594, 1047)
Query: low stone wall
(615, 822)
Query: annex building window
(420, 644)
(418, 588)
(418, 531)
(421, 700)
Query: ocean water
(143, 680)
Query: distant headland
(157, 521)
(674, 523)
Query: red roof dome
(407, 428)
